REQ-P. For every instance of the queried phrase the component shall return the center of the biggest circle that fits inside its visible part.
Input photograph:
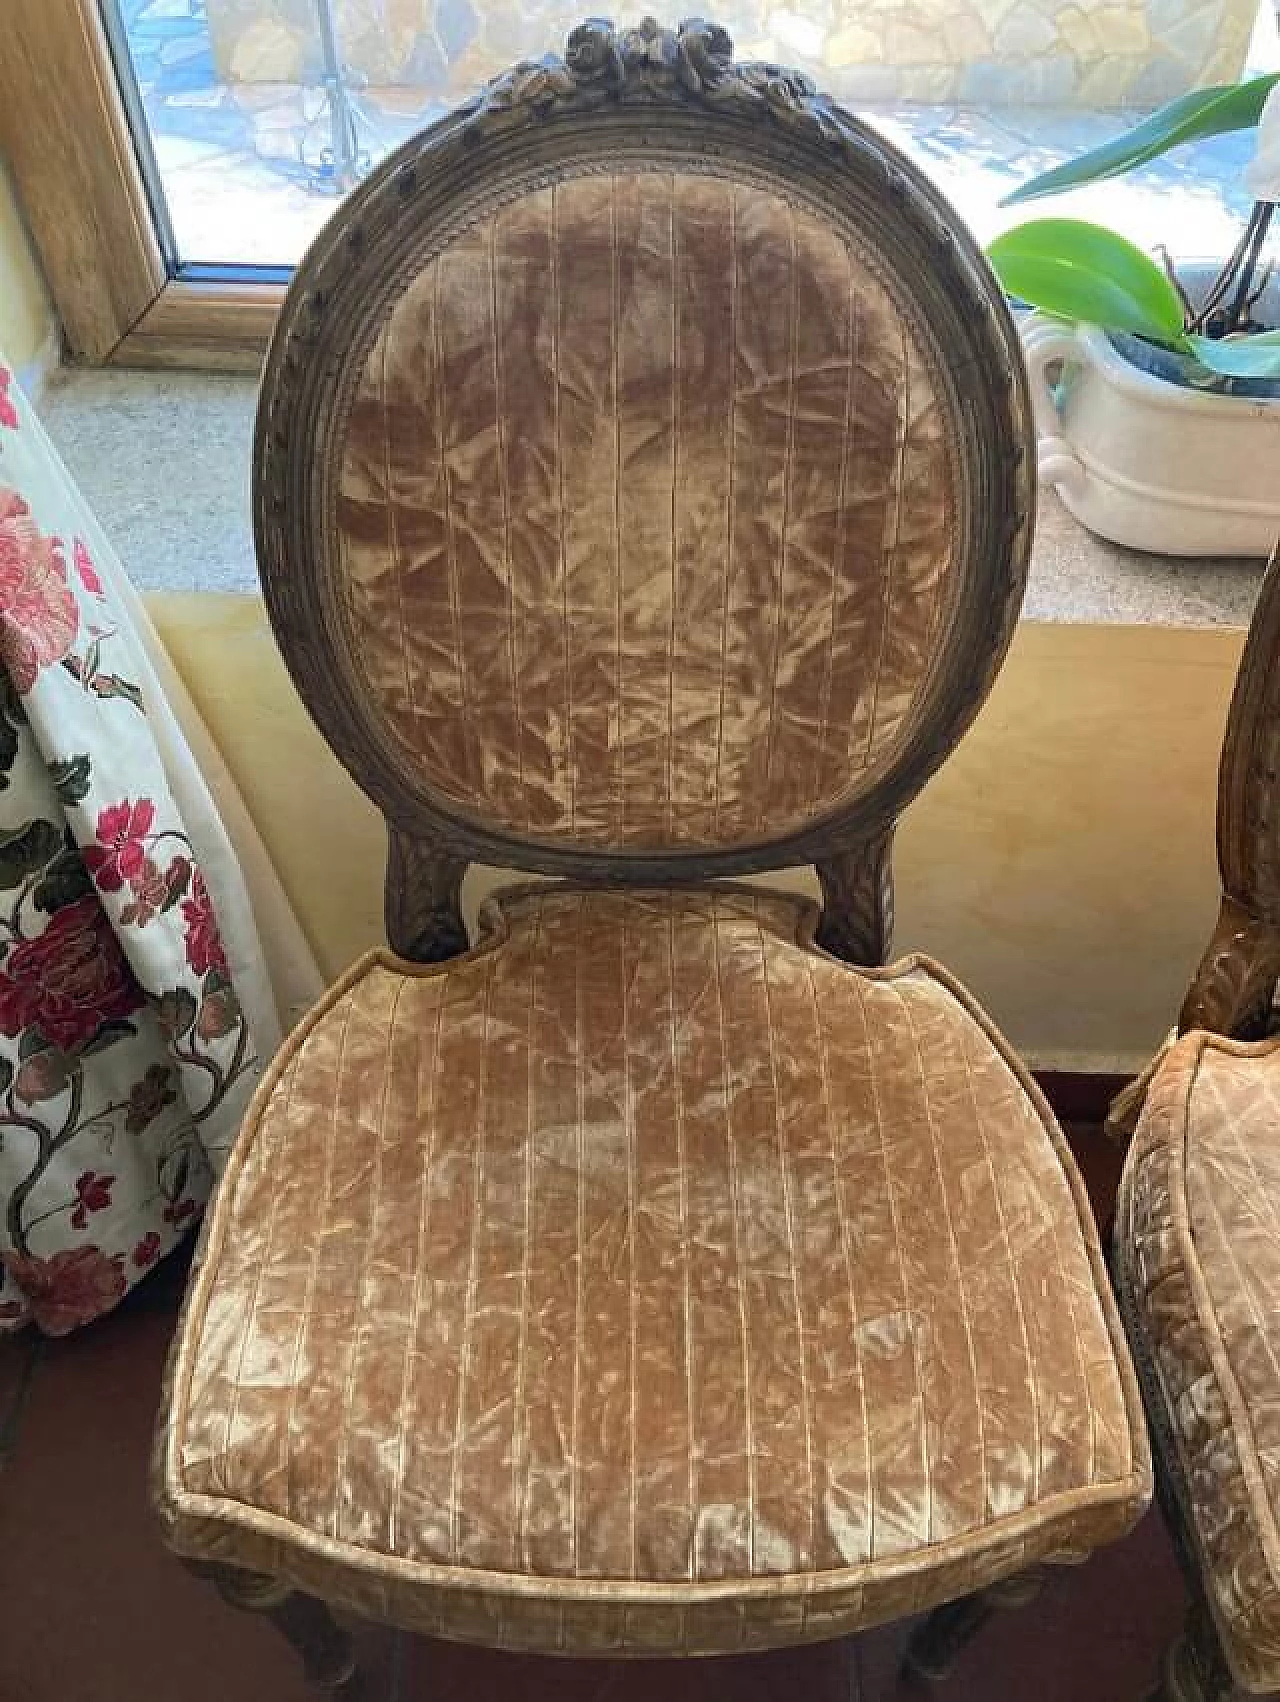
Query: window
(234, 124)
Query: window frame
(64, 129)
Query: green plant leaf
(1190, 118)
(1082, 271)
(1255, 356)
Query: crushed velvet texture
(647, 516)
(1199, 1230)
(648, 1281)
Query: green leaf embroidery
(177, 878)
(1084, 271)
(8, 749)
(31, 1041)
(71, 778)
(63, 882)
(12, 716)
(176, 1012)
(117, 1028)
(174, 1174)
(1190, 118)
(25, 850)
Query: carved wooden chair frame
(1232, 994)
(634, 96)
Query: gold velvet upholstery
(1199, 1231)
(647, 512)
(648, 1281)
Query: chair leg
(305, 1622)
(935, 1645)
(1194, 1670)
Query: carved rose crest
(649, 59)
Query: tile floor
(94, 1610)
(248, 173)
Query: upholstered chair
(643, 496)
(1196, 1248)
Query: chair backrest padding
(642, 469)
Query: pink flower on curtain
(85, 568)
(38, 613)
(113, 1051)
(151, 892)
(8, 413)
(121, 852)
(204, 943)
(149, 1097)
(74, 1286)
(68, 980)
(147, 1250)
(93, 1193)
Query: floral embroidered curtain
(135, 1009)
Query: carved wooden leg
(935, 1646)
(328, 1662)
(1194, 1670)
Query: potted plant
(1157, 395)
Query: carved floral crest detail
(650, 60)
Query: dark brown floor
(92, 1609)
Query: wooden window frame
(65, 133)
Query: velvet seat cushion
(647, 1281)
(1199, 1234)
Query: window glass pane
(261, 112)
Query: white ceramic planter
(1149, 463)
